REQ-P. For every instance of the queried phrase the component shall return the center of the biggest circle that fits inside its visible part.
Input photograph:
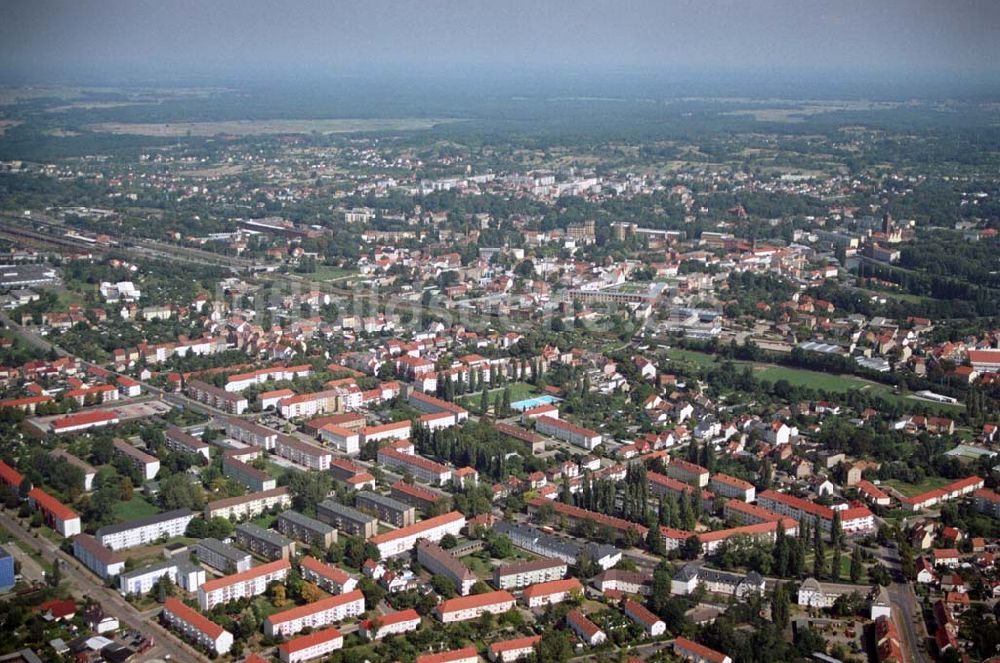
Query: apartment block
(471, 607)
(347, 519)
(385, 508)
(306, 529)
(147, 465)
(316, 614)
(142, 531)
(264, 542)
(249, 506)
(439, 561)
(522, 574)
(327, 577)
(251, 433)
(303, 453)
(197, 628)
(433, 529)
(222, 556)
(250, 583)
(102, 561)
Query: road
(906, 610)
(84, 584)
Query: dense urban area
(715, 381)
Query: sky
(67, 39)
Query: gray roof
(387, 502)
(268, 535)
(223, 550)
(554, 544)
(344, 511)
(142, 522)
(305, 521)
(182, 566)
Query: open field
(911, 489)
(519, 391)
(137, 507)
(263, 127)
(801, 377)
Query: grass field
(328, 273)
(519, 391)
(264, 127)
(137, 507)
(911, 489)
(801, 377)
(481, 567)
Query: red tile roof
(193, 617)
(257, 571)
(311, 640)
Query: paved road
(906, 610)
(84, 584)
(30, 569)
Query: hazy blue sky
(265, 37)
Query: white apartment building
(563, 430)
(142, 531)
(196, 627)
(251, 433)
(342, 439)
(303, 453)
(515, 576)
(181, 572)
(309, 647)
(249, 506)
(395, 623)
(464, 608)
(316, 614)
(402, 540)
(239, 585)
(102, 561)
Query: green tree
(857, 567)
(780, 605)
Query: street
(84, 584)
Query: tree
(178, 492)
(857, 567)
(780, 603)
(691, 548)
(554, 647)
(484, 402)
(654, 541)
(835, 565)
(444, 586)
(278, 594)
(448, 541)
(55, 577)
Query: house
(689, 650)
(551, 592)
(585, 629)
(506, 651)
(651, 624)
(471, 607)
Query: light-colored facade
(196, 627)
(317, 614)
(143, 531)
(239, 585)
(433, 529)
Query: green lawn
(327, 273)
(911, 489)
(264, 521)
(478, 565)
(699, 359)
(137, 507)
(519, 391)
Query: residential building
(732, 488)
(222, 556)
(180, 571)
(687, 472)
(327, 577)
(625, 582)
(220, 399)
(855, 520)
(303, 453)
(147, 465)
(691, 651)
(464, 655)
(249, 506)
(439, 561)
(55, 514)
(433, 529)
(585, 629)
(102, 561)
(522, 574)
(651, 624)
(264, 542)
(177, 440)
(316, 614)
(570, 551)
(196, 627)
(421, 497)
(342, 439)
(89, 471)
(238, 470)
(304, 528)
(142, 531)
(251, 433)
(312, 646)
(563, 430)
(347, 519)
(471, 607)
(515, 649)
(395, 623)
(987, 501)
(551, 592)
(81, 421)
(387, 509)
(740, 585)
(250, 583)
(419, 467)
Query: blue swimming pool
(529, 403)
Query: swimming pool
(529, 403)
